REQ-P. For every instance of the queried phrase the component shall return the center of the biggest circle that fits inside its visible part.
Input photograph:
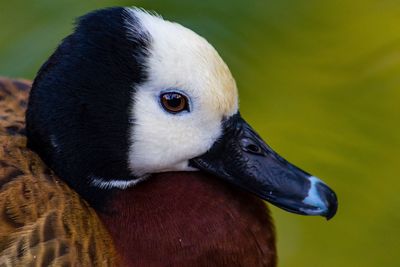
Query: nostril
(252, 148)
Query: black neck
(79, 113)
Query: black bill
(242, 158)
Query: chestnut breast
(190, 219)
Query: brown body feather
(42, 221)
(176, 219)
(190, 219)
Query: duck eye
(174, 102)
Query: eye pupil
(174, 102)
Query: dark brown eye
(174, 102)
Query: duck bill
(242, 158)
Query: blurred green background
(320, 81)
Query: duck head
(129, 94)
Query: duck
(128, 149)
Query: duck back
(42, 221)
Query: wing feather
(42, 221)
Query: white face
(180, 61)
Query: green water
(320, 81)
